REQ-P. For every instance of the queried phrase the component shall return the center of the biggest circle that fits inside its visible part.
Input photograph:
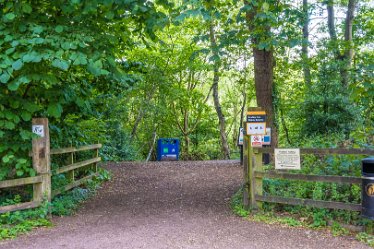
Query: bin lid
(368, 160)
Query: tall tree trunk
(331, 19)
(186, 134)
(263, 64)
(348, 37)
(242, 112)
(217, 104)
(305, 44)
(153, 142)
(347, 56)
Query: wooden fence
(254, 173)
(41, 157)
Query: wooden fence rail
(41, 155)
(254, 173)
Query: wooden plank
(20, 206)
(311, 203)
(252, 185)
(246, 172)
(73, 149)
(309, 178)
(325, 151)
(59, 151)
(72, 185)
(257, 181)
(77, 165)
(90, 147)
(21, 181)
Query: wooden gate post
(246, 158)
(41, 159)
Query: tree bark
(305, 45)
(348, 37)
(263, 64)
(331, 19)
(154, 135)
(347, 56)
(217, 104)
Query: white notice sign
(256, 129)
(256, 141)
(38, 130)
(241, 136)
(287, 158)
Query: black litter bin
(368, 188)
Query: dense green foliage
(121, 72)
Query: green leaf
(4, 78)
(55, 110)
(10, 16)
(265, 6)
(6, 159)
(37, 29)
(31, 107)
(26, 116)
(61, 64)
(9, 125)
(32, 172)
(15, 43)
(20, 172)
(14, 104)
(59, 29)
(80, 60)
(26, 8)
(22, 160)
(9, 51)
(17, 65)
(32, 57)
(25, 135)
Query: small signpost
(287, 158)
(256, 123)
(255, 130)
(38, 130)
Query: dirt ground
(170, 205)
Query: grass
(289, 220)
(13, 224)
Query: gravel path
(170, 205)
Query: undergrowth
(15, 223)
(310, 218)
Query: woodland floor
(170, 205)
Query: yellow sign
(370, 189)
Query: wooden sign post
(41, 158)
(255, 125)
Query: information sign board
(256, 123)
(287, 158)
(241, 136)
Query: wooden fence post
(246, 172)
(41, 159)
